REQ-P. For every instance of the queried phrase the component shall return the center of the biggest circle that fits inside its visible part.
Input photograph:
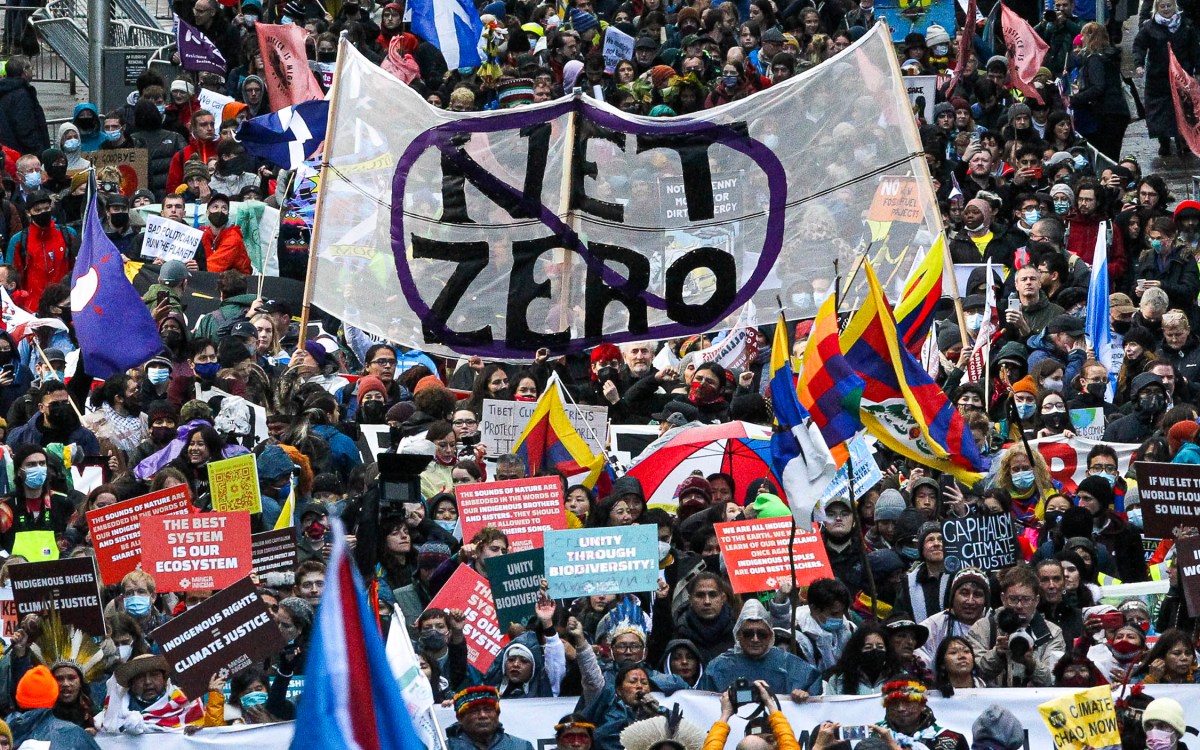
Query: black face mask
(119, 220)
(86, 125)
(712, 562)
(1054, 518)
(63, 416)
(1150, 405)
(171, 339)
(42, 220)
(162, 435)
(373, 412)
(133, 406)
(872, 661)
(608, 373)
(57, 171)
(1055, 421)
(6, 357)
(327, 57)
(1122, 326)
(218, 218)
(1097, 390)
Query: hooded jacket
(92, 140)
(75, 161)
(782, 671)
(683, 643)
(539, 685)
(22, 120)
(819, 647)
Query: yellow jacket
(785, 738)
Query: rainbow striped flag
(829, 388)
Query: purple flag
(113, 325)
(196, 51)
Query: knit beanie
(948, 336)
(997, 727)
(316, 351)
(161, 410)
(273, 463)
(195, 409)
(1168, 711)
(429, 381)
(432, 554)
(367, 385)
(889, 506)
(6, 732)
(695, 483)
(984, 207)
(768, 505)
(970, 575)
(400, 412)
(37, 689)
(1099, 488)
(1025, 385)
(926, 529)
(1180, 433)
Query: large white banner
(533, 719)
(567, 223)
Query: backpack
(69, 234)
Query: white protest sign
(213, 102)
(170, 240)
(502, 422)
(922, 90)
(618, 46)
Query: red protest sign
(470, 592)
(200, 551)
(116, 530)
(756, 554)
(521, 508)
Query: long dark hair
(850, 666)
(1166, 642)
(941, 678)
(398, 570)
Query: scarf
(1171, 23)
(170, 712)
(713, 631)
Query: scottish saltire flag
(799, 455)
(1099, 329)
(549, 441)
(453, 26)
(829, 388)
(901, 405)
(113, 325)
(287, 137)
(414, 685)
(196, 51)
(922, 291)
(351, 700)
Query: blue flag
(287, 137)
(113, 325)
(453, 26)
(1099, 328)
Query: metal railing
(63, 26)
(48, 66)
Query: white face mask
(124, 652)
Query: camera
(741, 693)
(1020, 642)
(467, 443)
(400, 481)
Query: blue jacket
(610, 714)
(784, 672)
(1188, 454)
(90, 141)
(41, 724)
(456, 739)
(345, 453)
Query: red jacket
(205, 150)
(43, 256)
(1081, 242)
(226, 251)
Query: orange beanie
(37, 689)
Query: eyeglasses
(1104, 467)
(464, 422)
(1020, 601)
(383, 362)
(756, 635)
(629, 648)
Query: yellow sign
(233, 485)
(1082, 720)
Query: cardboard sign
(469, 591)
(922, 95)
(1187, 563)
(897, 198)
(1088, 423)
(230, 630)
(233, 485)
(133, 164)
(71, 586)
(273, 550)
(8, 615)
(170, 240)
(1082, 720)
(521, 508)
(1170, 496)
(502, 422)
(756, 554)
(515, 579)
(117, 530)
(984, 542)
(618, 46)
(201, 551)
(586, 562)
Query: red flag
(1186, 93)
(1026, 50)
(286, 72)
(966, 36)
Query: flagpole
(948, 273)
(794, 595)
(322, 192)
(562, 388)
(845, 292)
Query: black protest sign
(230, 630)
(1169, 495)
(985, 542)
(271, 551)
(70, 586)
(515, 579)
(1187, 565)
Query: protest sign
(70, 586)
(906, 17)
(1085, 720)
(897, 199)
(922, 95)
(117, 531)
(469, 591)
(756, 554)
(866, 473)
(738, 350)
(8, 615)
(213, 102)
(618, 46)
(985, 542)
(170, 240)
(373, 440)
(521, 508)
(1067, 459)
(1170, 496)
(233, 485)
(515, 579)
(502, 422)
(201, 551)
(133, 164)
(1088, 423)
(230, 630)
(273, 550)
(1187, 563)
(629, 440)
(587, 562)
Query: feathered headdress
(626, 617)
(661, 731)
(65, 645)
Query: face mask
(55, 375)
(1080, 161)
(702, 392)
(833, 625)
(447, 526)
(1150, 404)
(803, 300)
(208, 371)
(158, 375)
(1156, 245)
(910, 553)
(1135, 518)
(1062, 207)
(57, 171)
(162, 109)
(33, 180)
(1125, 650)
(71, 145)
(1054, 518)
(1160, 739)
(250, 19)
(1025, 411)
(1053, 384)
(35, 477)
(1031, 217)
(327, 57)
(124, 652)
(664, 550)
(433, 641)
(42, 220)
(712, 562)
(1096, 390)
(119, 220)
(1055, 421)
(1022, 480)
(770, 140)
(940, 50)
(171, 339)
(285, 20)
(729, 81)
(373, 412)
(62, 415)
(1110, 478)
(315, 530)
(607, 373)
(975, 228)
(137, 605)
(162, 435)
(974, 320)
(253, 699)
(873, 660)
(218, 218)
(113, 136)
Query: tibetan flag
(798, 452)
(285, 64)
(113, 325)
(829, 388)
(1026, 50)
(914, 311)
(901, 405)
(549, 441)
(1185, 91)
